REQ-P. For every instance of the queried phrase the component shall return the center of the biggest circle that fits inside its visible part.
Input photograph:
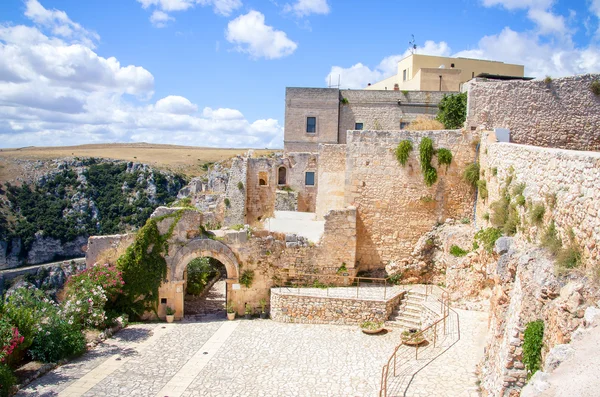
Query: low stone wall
(291, 308)
(286, 201)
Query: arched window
(282, 176)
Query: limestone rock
(557, 355)
(537, 385)
(503, 245)
(591, 316)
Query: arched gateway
(172, 292)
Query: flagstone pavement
(215, 357)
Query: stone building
(432, 73)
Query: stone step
(409, 320)
(416, 316)
(402, 324)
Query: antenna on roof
(333, 85)
(413, 45)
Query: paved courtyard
(214, 357)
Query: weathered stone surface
(502, 245)
(557, 355)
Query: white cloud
(160, 16)
(160, 19)
(547, 22)
(250, 35)
(175, 105)
(58, 22)
(359, 75)
(57, 91)
(303, 8)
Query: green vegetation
(495, 171)
(520, 200)
(595, 87)
(471, 174)
(118, 192)
(344, 101)
(488, 237)
(227, 202)
(486, 216)
(240, 185)
(482, 188)
(444, 157)
(455, 250)
(342, 269)
(453, 110)
(548, 80)
(246, 278)
(518, 189)
(7, 381)
(537, 213)
(199, 272)
(551, 240)
(532, 346)
(569, 258)
(425, 154)
(403, 151)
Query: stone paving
(205, 355)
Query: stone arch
(205, 247)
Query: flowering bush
(25, 309)
(9, 339)
(56, 340)
(87, 294)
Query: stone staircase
(408, 313)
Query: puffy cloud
(58, 91)
(359, 75)
(58, 22)
(160, 19)
(539, 12)
(160, 16)
(250, 35)
(175, 105)
(306, 7)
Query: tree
(453, 110)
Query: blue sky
(214, 72)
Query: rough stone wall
(299, 164)
(300, 103)
(395, 207)
(561, 114)
(289, 308)
(235, 212)
(384, 110)
(286, 201)
(331, 175)
(564, 181)
(338, 244)
(107, 249)
(260, 200)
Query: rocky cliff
(52, 207)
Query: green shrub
(455, 250)
(532, 346)
(199, 272)
(227, 202)
(537, 213)
(551, 200)
(10, 339)
(520, 200)
(471, 174)
(482, 188)
(425, 154)
(513, 221)
(57, 340)
(551, 240)
(444, 157)
(465, 221)
(240, 185)
(500, 210)
(488, 237)
(495, 171)
(7, 381)
(403, 151)
(452, 110)
(344, 101)
(246, 278)
(486, 216)
(569, 258)
(595, 87)
(519, 189)
(548, 80)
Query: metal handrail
(445, 311)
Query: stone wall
(299, 164)
(260, 199)
(300, 103)
(235, 211)
(563, 113)
(107, 249)
(395, 207)
(286, 201)
(291, 308)
(331, 175)
(384, 110)
(565, 182)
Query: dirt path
(212, 303)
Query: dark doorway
(282, 176)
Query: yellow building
(430, 73)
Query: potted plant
(371, 327)
(170, 314)
(263, 309)
(412, 337)
(248, 312)
(230, 311)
